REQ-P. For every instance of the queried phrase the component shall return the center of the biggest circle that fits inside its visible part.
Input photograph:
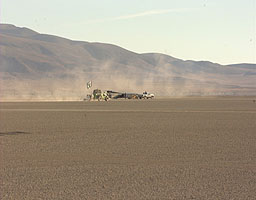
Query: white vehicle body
(147, 95)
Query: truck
(98, 95)
(147, 95)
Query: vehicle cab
(147, 95)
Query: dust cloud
(71, 85)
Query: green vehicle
(99, 95)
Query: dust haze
(73, 87)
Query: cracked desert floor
(177, 148)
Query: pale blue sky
(222, 31)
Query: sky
(221, 31)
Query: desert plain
(168, 148)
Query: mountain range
(36, 66)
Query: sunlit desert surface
(176, 148)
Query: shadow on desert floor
(13, 133)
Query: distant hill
(41, 66)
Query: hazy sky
(222, 31)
